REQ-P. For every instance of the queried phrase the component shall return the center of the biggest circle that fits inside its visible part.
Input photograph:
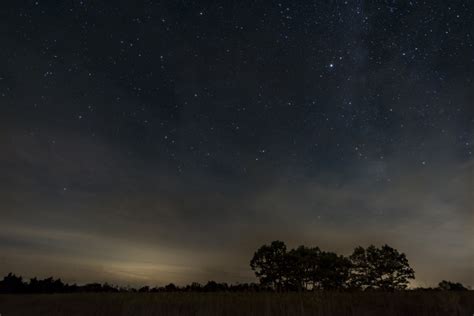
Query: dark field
(325, 303)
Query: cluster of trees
(310, 268)
(451, 286)
(306, 268)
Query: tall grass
(419, 303)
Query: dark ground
(361, 303)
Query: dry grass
(209, 304)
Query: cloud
(124, 219)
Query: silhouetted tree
(109, 288)
(451, 286)
(213, 286)
(92, 287)
(195, 287)
(34, 286)
(300, 268)
(269, 263)
(332, 271)
(171, 287)
(379, 268)
(12, 284)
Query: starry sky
(147, 142)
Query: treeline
(13, 284)
(277, 269)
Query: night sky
(147, 142)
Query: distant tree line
(13, 284)
(277, 269)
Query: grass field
(324, 303)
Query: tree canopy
(305, 268)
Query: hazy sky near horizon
(148, 142)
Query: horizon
(410, 281)
(145, 143)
